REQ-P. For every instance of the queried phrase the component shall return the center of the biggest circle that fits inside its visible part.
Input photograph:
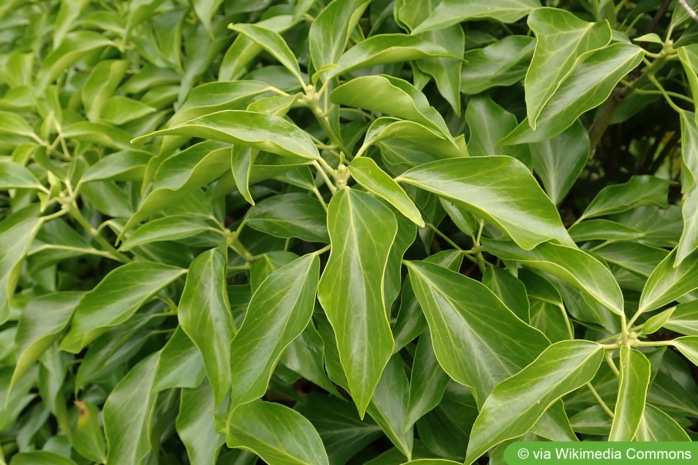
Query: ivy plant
(345, 232)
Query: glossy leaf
(634, 381)
(331, 29)
(510, 291)
(279, 311)
(278, 434)
(562, 40)
(196, 426)
(668, 283)
(578, 93)
(451, 12)
(165, 229)
(15, 176)
(14, 124)
(517, 403)
(571, 265)
(688, 346)
(127, 414)
(684, 319)
(127, 165)
(118, 296)
(391, 96)
(688, 242)
(656, 425)
(499, 189)
(290, 215)
(468, 324)
(386, 48)
(428, 381)
(369, 175)
(639, 190)
(263, 132)
(204, 315)
(100, 85)
(354, 302)
(502, 63)
(40, 457)
(180, 364)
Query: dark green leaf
(502, 63)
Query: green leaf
(391, 96)
(684, 319)
(586, 87)
(196, 426)
(502, 63)
(668, 283)
(115, 299)
(67, 14)
(689, 172)
(688, 346)
(497, 188)
(88, 438)
(639, 190)
(40, 457)
(279, 435)
(264, 132)
(126, 165)
(559, 161)
(15, 176)
(205, 10)
(278, 313)
(382, 49)
(290, 215)
(657, 322)
(204, 314)
(562, 40)
(16, 235)
(517, 403)
(14, 124)
(468, 325)
(369, 175)
(656, 426)
(430, 144)
(572, 265)
(510, 291)
(42, 321)
(450, 12)
(603, 230)
(169, 228)
(180, 364)
(127, 413)
(428, 381)
(352, 288)
(630, 405)
(331, 29)
(273, 43)
(101, 84)
(446, 72)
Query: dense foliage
(344, 232)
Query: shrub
(239, 229)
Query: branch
(689, 10)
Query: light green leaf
(14, 124)
(241, 162)
(204, 314)
(656, 426)
(391, 96)
(74, 46)
(101, 84)
(40, 324)
(572, 265)
(119, 110)
(630, 404)
(559, 161)
(127, 413)
(684, 319)
(67, 14)
(88, 437)
(99, 133)
(657, 322)
(16, 235)
(16, 176)
(468, 325)
(115, 299)
(432, 144)
(331, 29)
(517, 403)
(263, 132)
(290, 215)
(689, 172)
(205, 10)
(272, 42)
(196, 426)
(352, 288)
(431, 462)
(369, 175)
(497, 188)
(40, 457)
(180, 364)
(382, 49)
(446, 72)
(278, 313)
(586, 87)
(689, 59)
(603, 230)
(502, 63)
(668, 283)
(169, 228)
(450, 12)
(277, 434)
(562, 40)
(126, 165)
(688, 346)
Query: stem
(78, 216)
(689, 10)
(668, 99)
(326, 178)
(611, 364)
(570, 331)
(653, 343)
(600, 400)
(444, 237)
